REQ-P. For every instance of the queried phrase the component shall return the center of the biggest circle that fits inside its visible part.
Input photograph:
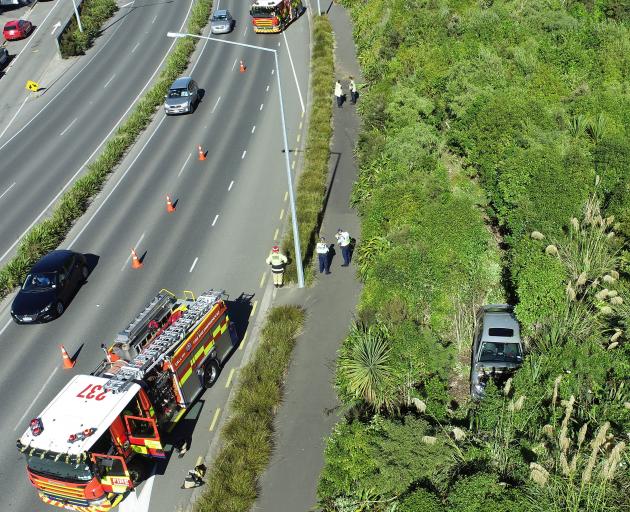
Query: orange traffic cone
(67, 362)
(202, 155)
(135, 261)
(242, 67)
(170, 208)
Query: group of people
(340, 94)
(278, 261)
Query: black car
(49, 287)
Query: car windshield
(263, 12)
(220, 17)
(500, 352)
(178, 93)
(40, 281)
(60, 469)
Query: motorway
(229, 210)
(47, 145)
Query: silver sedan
(222, 22)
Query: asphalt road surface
(56, 134)
(229, 208)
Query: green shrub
(93, 14)
(248, 434)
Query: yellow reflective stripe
(176, 419)
(139, 449)
(155, 445)
(185, 376)
(216, 332)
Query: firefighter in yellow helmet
(278, 261)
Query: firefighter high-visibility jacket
(277, 260)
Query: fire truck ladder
(155, 352)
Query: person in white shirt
(343, 239)
(323, 256)
(354, 95)
(339, 93)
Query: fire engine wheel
(59, 308)
(211, 373)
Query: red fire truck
(78, 450)
(274, 15)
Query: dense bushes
(50, 233)
(248, 435)
(515, 117)
(312, 181)
(93, 14)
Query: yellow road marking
(282, 214)
(293, 165)
(300, 125)
(240, 347)
(215, 418)
(299, 135)
(229, 381)
(253, 308)
(199, 460)
(262, 279)
(275, 235)
(286, 195)
(302, 114)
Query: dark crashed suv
(497, 348)
(49, 287)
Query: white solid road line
(215, 105)
(74, 240)
(135, 248)
(13, 119)
(126, 5)
(193, 264)
(215, 219)
(105, 139)
(286, 43)
(229, 188)
(109, 81)
(3, 194)
(9, 322)
(45, 386)
(69, 126)
(184, 166)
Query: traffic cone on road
(242, 67)
(170, 208)
(67, 362)
(135, 261)
(202, 155)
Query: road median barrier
(49, 233)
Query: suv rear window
(501, 331)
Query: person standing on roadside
(343, 239)
(278, 261)
(339, 93)
(323, 256)
(354, 95)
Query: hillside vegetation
(494, 166)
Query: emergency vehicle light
(36, 425)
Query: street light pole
(76, 12)
(296, 233)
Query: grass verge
(74, 202)
(248, 435)
(93, 14)
(311, 185)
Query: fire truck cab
(274, 15)
(78, 450)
